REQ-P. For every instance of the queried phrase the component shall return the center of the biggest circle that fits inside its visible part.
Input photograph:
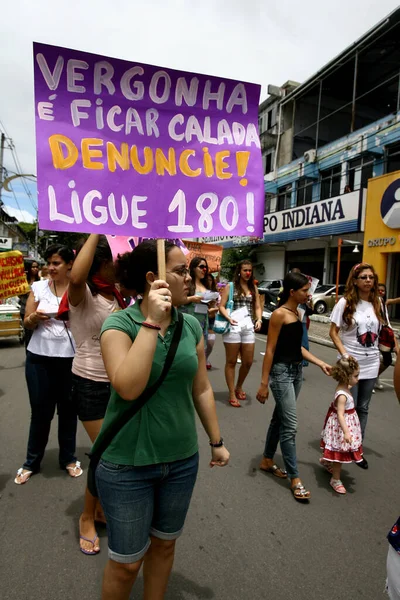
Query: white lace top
(51, 337)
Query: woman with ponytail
(92, 297)
(282, 371)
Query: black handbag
(136, 405)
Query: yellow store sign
(382, 221)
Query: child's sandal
(338, 486)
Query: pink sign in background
(132, 149)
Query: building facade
(322, 141)
(11, 235)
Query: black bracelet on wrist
(217, 444)
(151, 326)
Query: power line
(13, 193)
(4, 129)
(19, 171)
(18, 167)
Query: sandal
(20, 473)
(338, 486)
(75, 471)
(300, 493)
(241, 395)
(93, 541)
(275, 470)
(235, 403)
(327, 466)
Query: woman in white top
(356, 323)
(92, 297)
(240, 341)
(48, 368)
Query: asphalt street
(245, 537)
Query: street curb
(320, 319)
(321, 341)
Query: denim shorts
(90, 398)
(142, 501)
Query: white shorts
(241, 337)
(393, 574)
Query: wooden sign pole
(162, 273)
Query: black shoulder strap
(137, 404)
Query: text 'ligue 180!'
(126, 146)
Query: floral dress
(334, 448)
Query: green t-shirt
(164, 430)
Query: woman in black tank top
(282, 370)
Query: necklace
(292, 311)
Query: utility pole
(2, 145)
(37, 237)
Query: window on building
(261, 122)
(304, 191)
(284, 197)
(270, 203)
(330, 182)
(393, 158)
(360, 170)
(269, 119)
(268, 163)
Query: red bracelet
(151, 326)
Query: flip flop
(19, 473)
(241, 395)
(93, 541)
(275, 471)
(235, 403)
(75, 471)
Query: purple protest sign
(132, 149)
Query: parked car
(270, 285)
(271, 304)
(324, 297)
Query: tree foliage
(29, 230)
(48, 238)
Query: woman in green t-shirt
(146, 476)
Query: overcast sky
(262, 41)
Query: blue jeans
(49, 386)
(362, 393)
(285, 383)
(143, 501)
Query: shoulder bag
(386, 341)
(134, 408)
(221, 325)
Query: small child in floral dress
(341, 439)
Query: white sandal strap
(76, 468)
